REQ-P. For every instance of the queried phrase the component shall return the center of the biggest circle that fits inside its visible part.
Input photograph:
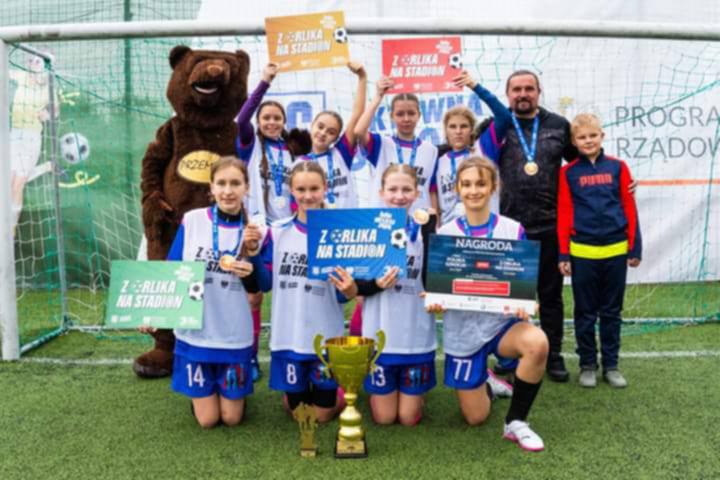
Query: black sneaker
(556, 369)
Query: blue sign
(364, 241)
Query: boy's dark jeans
(599, 289)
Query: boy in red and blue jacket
(599, 237)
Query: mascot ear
(243, 60)
(177, 54)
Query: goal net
(659, 101)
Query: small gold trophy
(350, 360)
(305, 415)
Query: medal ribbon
(453, 155)
(413, 154)
(412, 228)
(467, 229)
(330, 173)
(528, 151)
(277, 168)
(216, 236)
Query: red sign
(420, 65)
(480, 287)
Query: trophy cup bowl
(349, 361)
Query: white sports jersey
(450, 206)
(227, 322)
(301, 308)
(272, 210)
(385, 153)
(400, 311)
(464, 333)
(340, 181)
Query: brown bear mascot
(206, 90)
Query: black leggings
(312, 396)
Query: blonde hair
(399, 168)
(459, 111)
(229, 161)
(585, 120)
(310, 167)
(483, 165)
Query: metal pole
(54, 158)
(8, 293)
(380, 26)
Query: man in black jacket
(529, 168)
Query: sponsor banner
(304, 42)
(158, 294)
(422, 65)
(480, 274)
(364, 241)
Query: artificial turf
(63, 421)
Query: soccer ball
(455, 61)
(74, 148)
(340, 35)
(195, 291)
(398, 238)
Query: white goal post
(155, 29)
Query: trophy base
(350, 449)
(308, 452)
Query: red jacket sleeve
(630, 208)
(565, 215)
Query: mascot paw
(158, 362)
(153, 364)
(299, 142)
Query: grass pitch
(74, 420)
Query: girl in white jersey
(334, 150)
(270, 154)
(469, 337)
(212, 365)
(405, 370)
(403, 148)
(301, 308)
(459, 123)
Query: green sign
(159, 294)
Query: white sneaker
(500, 388)
(519, 432)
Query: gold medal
(226, 262)
(531, 168)
(420, 216)
(331, 205)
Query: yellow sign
(195, 166)
(304, 42)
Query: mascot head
(207, 88)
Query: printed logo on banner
(304, 42)
(421, 65)
(362, 241)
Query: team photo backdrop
(659, 102)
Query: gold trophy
(305, 415)
(350, 360)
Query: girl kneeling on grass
(301, 307)
(469, 337)
(212, 365)
(405, 371)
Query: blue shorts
(467, 373)
(203, 379)
(292, 375)
(410, 378)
